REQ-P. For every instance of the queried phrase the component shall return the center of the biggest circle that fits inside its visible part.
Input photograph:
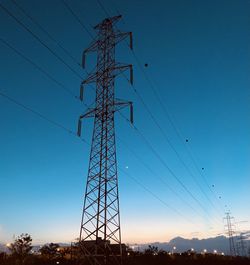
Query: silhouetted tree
(151, 250)
(21, 247)
(2, 255)
(50, 251)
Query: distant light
(192, 249)
(205, 251)
(222, 254)
(8, 245)
(58, 249)
(174, 247)
(215, 251)
(57, 262)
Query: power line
(49, 76)
(103, 8)
(39, 40)
(150, 192)
(77, 18)
(60, 126)
(158, 156)
(42, 116)
(45, 31)
(171, 122)
(155, 121)
(71, 11)
(29, 109)
(155, 196)
(32, 62)
(155, 174)
(168, 141)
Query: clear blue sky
(198, 60)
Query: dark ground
(141, 259)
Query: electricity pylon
(241, 245)
(230, 233)
(100, 233)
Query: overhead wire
(50, 120)
(47, 74)
(54, 40)
(33, 36)
(169, 142)
(59, 125)
(25, 12)
(42, 116)
(77, 18)
(158, 156)
(171, 122)
(102, 7)
(162, 131)
(177, 131)
(156, 174)
(6, 10)
(155, 196)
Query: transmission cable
(45, 31)
(164, 134)
(40, 40)
(153, 173)
(59, 125)
(158, 156)
(42, 116)
(172, 124)
(77, 18)
(37, 67)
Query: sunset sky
(197, 54)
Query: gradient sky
(198, 60)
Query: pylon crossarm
(109, 20)
(120, 36)
(119, 104)
(116, 69)
(88, 114)
(93, 47)
(120, 68)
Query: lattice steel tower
(100, 233)
(231, 233)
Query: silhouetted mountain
(219, 243)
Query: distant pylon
(241, 245)
(100, 233)
(230, 233)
